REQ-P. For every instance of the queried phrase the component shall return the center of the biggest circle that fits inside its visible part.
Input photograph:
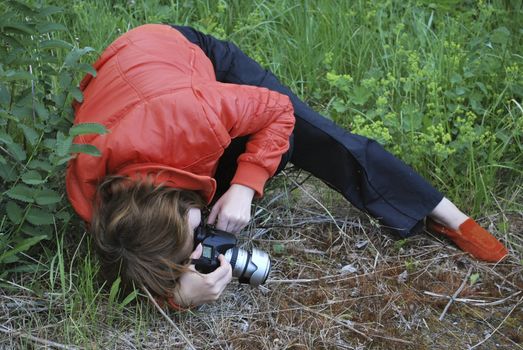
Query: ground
(339, 281)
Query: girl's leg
(357, 167)
(360, 169)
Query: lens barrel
(250, 267)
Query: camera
(250, 267)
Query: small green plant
(474, 278)
(410, 265)
(400, 243)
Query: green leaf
(17, 151)
(500, 35)
(14, 212)
(86, 148)
(23, 7)
(9, 174)
(115, 288)
(18, 75)
(63, 144)
(482, 87)
(460, 91)
(37, 217)
(22, 193)
(2, 160)
(64, 216)
(72, 57)
(473, 278)
(129, 298)
(77, 94)
(49, 27)
(39, 164)
(455, 78)
(49, 10)
(87, 128)
(55, 44)
(339, 106)
(42, 112)
(21, 247)
(34, 268)
(60, 161)
(5, 138)
(32, 177)
(18, 27)
(87, 68)
(47, 196)
(33, 230)
(30, 135)
(65, 79)
(5, 95)
(360, 95)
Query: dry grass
(338, 282)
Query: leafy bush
(440, 97)
(37, 83)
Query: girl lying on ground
(193, 121)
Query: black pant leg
(359, 168)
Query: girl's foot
(473, 239)
(448, 220)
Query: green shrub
(441, 95)
(37, 84)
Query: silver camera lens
(252, 268)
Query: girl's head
(143, 232)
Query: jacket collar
(172, 177)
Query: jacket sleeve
(267, 116)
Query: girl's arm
(268, 118)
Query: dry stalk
(499, 326)
(455, 295)
(475, 302)
(171, 322)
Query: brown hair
(140, 230)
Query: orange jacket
(167, 116)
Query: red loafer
(473, 239)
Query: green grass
(440, 84)
(413, 66)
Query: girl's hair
(139, 230)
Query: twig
(455, 295)
(498, 327)
(475, 302)
(46, 342)
(189, 344)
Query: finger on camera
(219, 275)
(225, 266)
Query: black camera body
(214, 242)
(250, 267)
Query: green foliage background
(439, 83)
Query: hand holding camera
(196, 288)
(218, 258)
(250, 267)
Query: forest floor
(338, 281)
